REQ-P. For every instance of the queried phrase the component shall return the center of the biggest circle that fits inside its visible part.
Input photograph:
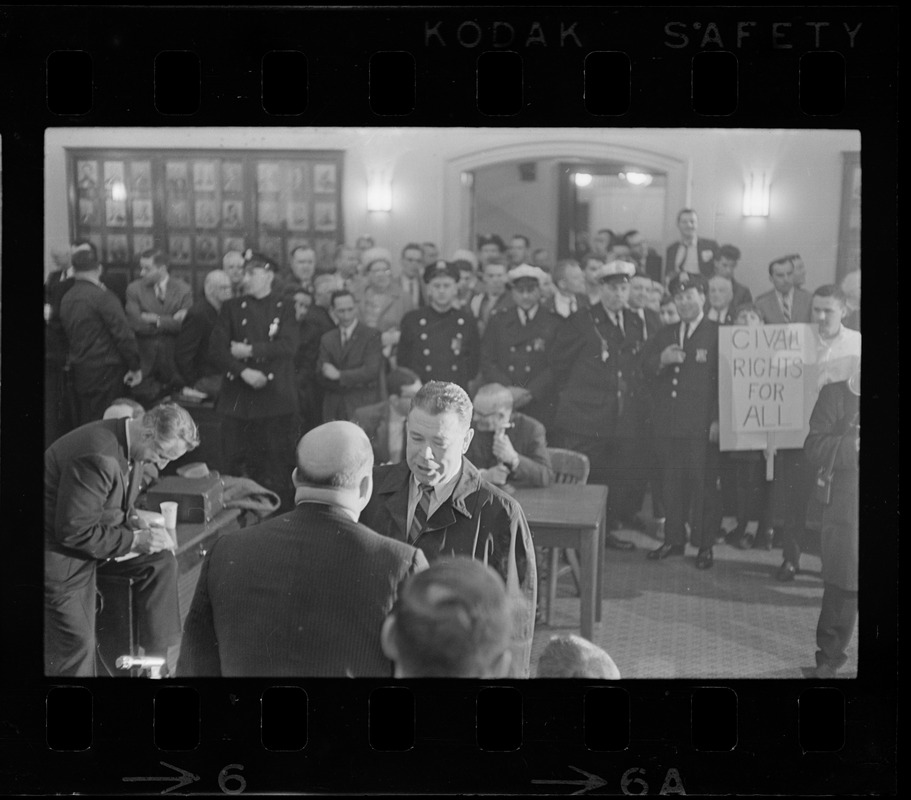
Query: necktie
(420, 514)
(786, 308)
(684, 333)
(681, 262)
(159, 292)
(523, 317)
(644, 326)
(573, 306)
(344, 338)
(133, 483)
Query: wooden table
(572, 515)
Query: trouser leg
(672, 456)
(69, 625)
(791, 469)
(837, 620)
(154, 597)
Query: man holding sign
(681, 361)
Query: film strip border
(620, 67)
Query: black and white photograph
(605, 379)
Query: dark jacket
(530, 442)
(596, 368)
(153, 338)
(96, 328)
(247, 319)
(192, 349)
(300, 595)
(834, 429)
(706, 249)
(684, 396)
(479, 521)
(440, 346)
(517, 355)
(359, 362)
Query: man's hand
(152, 540)
(504, 451)
(520, 396)
(241, 351)
(672, 354)
(331, 372)
(714, 431)
(391, 337)
(148, 316)
(497, 475)
(254, 378)
(181, 315)
(133, 378)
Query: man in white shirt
(692, 253)
(569, 285)
(838, 349)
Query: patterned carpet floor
(666, 619)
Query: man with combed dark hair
(92, 476)
(451, 621)
(692, 253)
(304, 594)
(785, 302)
(437, 500)
(572, 656)
(725, 263)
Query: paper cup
(169, 511)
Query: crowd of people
(613, 354)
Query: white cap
(526, 271)
(618, 269)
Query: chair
(568, 466)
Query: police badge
(273, 329)
(702, 355)
(538, 344)
(457, 345)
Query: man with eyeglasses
(92, 476)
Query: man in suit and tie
(594, 359)
(156, 306)
(720, 301)
(646, 258)
(192, 348)
(569, 288)
(412, 262)
(640, 287)
(385, 422)
(785, 302)
(516, 346)
(692, 253)
(725, 264)
(304, 594)
(681, 361)
(438, 501)
(350, 360)
(92, 476)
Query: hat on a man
(441, 269)
(686, 280)
(374, 254)
(526, 271)
(616, 270)
(492, 239)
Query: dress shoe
(614, 543)
(704, 558)
(825, 672)
(665, 550)
(786, 572)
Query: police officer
(254, 344)
(595, 359)
(681, 362)
(440, 342)
(516, 345)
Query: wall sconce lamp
(379, 193)
(756, 194)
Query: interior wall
(805, 169)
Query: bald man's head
(492, 407)
(217, 287)
(336, 455)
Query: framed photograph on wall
(179, 249)
(206, 251)
(324, 180)
(142, 213)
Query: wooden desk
(572, 515)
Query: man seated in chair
(384, 422)
(508, 447)
(91, 479)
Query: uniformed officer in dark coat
(254, 342)
(516, 345)
(681, 362)
(595, 359)
(440, 342)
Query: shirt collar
(84, 276)
(349, 330)
(325, 497)
(442, 491)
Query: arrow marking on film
(182, 780)
(591, 782)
